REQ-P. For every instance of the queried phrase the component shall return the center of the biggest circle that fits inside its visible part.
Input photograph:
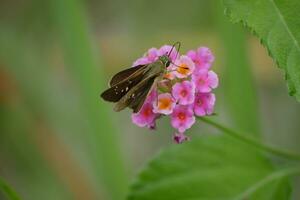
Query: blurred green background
(59, 141)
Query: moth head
(165, 59)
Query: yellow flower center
(168, 75)
(164, 103)
(183, 69)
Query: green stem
(252, 141)
(274, 176)
(8, 191)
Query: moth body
(130, 87)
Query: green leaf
(211, 168)
(277, 25)
(8, 191)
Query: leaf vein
(283, 21)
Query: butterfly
(130, 87)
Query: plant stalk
(251, 141)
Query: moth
(130, 87)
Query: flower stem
(249, 140)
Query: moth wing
(125, 74)
(136, 97)
(117, 91)
(137, 104)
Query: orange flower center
(164, 103)
(168, 76)
(183, 69)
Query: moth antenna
(179, 66)
(176, 70)
(179, 44)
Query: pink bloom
(184, 92)
(187, 86)
(145, 117)
(182, 118)
(183, 67)
(141, 61)
(164, 104)
(149, 57)
(171, 72)
(169, 75)
(152, 54)
(166, 50)
(202, 57)
(205, 80)
(204, 104)
(180, 138)
(152, 126)
(152, 96)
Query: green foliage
(9, 192)
(276, 23)
(214, 167)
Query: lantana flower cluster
(185, 92)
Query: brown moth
(130, 87)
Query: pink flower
(205, 80)
(166, 50)
(152, 96)
(204, 104)
(152, 54)
(170, 72)
(182, 118)
(145, 117)
(202, 57)
(164, 104)
(184, 92)
(149, 57)
(183, 67)
(141, 61)
(169, 75)
(180, 138)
